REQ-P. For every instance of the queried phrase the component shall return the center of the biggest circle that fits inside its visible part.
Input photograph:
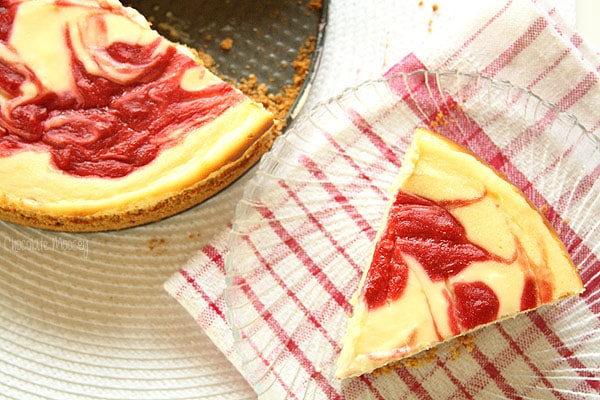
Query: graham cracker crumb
(443, 116)
(205, 58)
(155, 243)
(462, 343)
(426, 357)
(280, 103)
(423, 358)
(429, 356)
(227, 44)
(194, 235)
(434, 8)
(468, 342)
(440, 120)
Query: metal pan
(263, 38)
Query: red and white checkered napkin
(545, 354)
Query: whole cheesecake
(104, 124)
(459, 248)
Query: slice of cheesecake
(104, 124)
(459, 248)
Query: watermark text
(39, 245)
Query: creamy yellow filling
(496, 217)
(28, 178)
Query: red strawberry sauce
(429, 233)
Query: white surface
(86, 316)
(588, 21)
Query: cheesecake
(459, 248)
(105, 124)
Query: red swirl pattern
(110, 123)
(427, 232)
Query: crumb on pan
(227, 44)
(280, 103)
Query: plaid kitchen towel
(545, 354)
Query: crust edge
(161, 209)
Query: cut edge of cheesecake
(351, 363)
(153, 211)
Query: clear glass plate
(304, 228)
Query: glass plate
(304, 228)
